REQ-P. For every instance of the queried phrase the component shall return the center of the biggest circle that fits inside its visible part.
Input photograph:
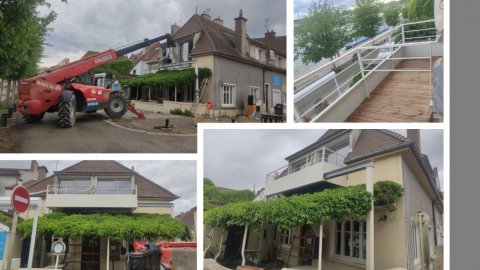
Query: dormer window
(186, 50)
(114, 186)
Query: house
(9, 176)
(407, 238)
(95, 186)
(189, 218)
(240, 65)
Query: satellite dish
(438, 11)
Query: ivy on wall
(115, 226)
(332, 204)
(168, 78)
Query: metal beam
(348, 169)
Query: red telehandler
(69, 89)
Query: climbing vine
(117, 227)
(168, 78)
(387, 193)
(332, 204)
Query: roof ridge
(393, 134)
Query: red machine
(159, 256)
(69, 89)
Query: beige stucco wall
(207, 62)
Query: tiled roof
(216, 38)
(373, 141)
(188, 218)
(25, 184)
(145, 187)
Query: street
(91, 134)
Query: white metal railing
(90, 189)
(321, 155)
(365, 60)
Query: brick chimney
(270, 34)
(241, 33)
(414, 135)
(218, 21)
(206, 16)
(174, 29)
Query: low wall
(167, 106)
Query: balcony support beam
(348, 169)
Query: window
(114, 186)
(277, 97)
(351, 239)
(85, 78)
(75, 186)
(186, 49)
(286, 237)
(255, 91)
(228, 99)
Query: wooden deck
(400, 97)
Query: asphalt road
(91, 134)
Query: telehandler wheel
(30, 118)
(117, 105)
(67, 113)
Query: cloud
(99, 25)
(179, 177)
(241, 159)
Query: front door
(307, 245)
(90, 254)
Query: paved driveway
(92, 134)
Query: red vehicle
(69, 89)
(159, 256)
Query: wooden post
(320, 251)
(219, 247)
(370, 222)
(244, 243)
(108, 253)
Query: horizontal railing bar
(395, 45)
(406, 70)
(419, 30)
(420, 37)
(420, 22)
(397, 58)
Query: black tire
(30, 118)
(117, 105)
(67, 113)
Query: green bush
(355, 79)
(178, 111)
(169, 78)
(387, 193)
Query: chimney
(218, 21)
(241, 33)
(270, 34)
(174, 29)
(414, 135)
(206, 16)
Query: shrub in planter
(387, 193)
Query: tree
(321, 34)
(391, 14)
(22, 33)
(366, 18)
(419, 10)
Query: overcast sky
(240, 159)
(99, 25)
(178, 177)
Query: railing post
(323, 154)
(362, 70)
(431, 67)
(403, 33)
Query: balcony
(154, 67)
(387, 79)
(94, 196)
(305, 172)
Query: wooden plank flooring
(400, 97)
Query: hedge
(168, 78)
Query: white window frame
(286, 237)
(232, 96)
(255, 91)
(362, 241)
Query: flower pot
(3, 119)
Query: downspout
(264, 90)
(434, 223)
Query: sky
(99, 25)
(301, 6)
(240, 159)
(179, 177)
